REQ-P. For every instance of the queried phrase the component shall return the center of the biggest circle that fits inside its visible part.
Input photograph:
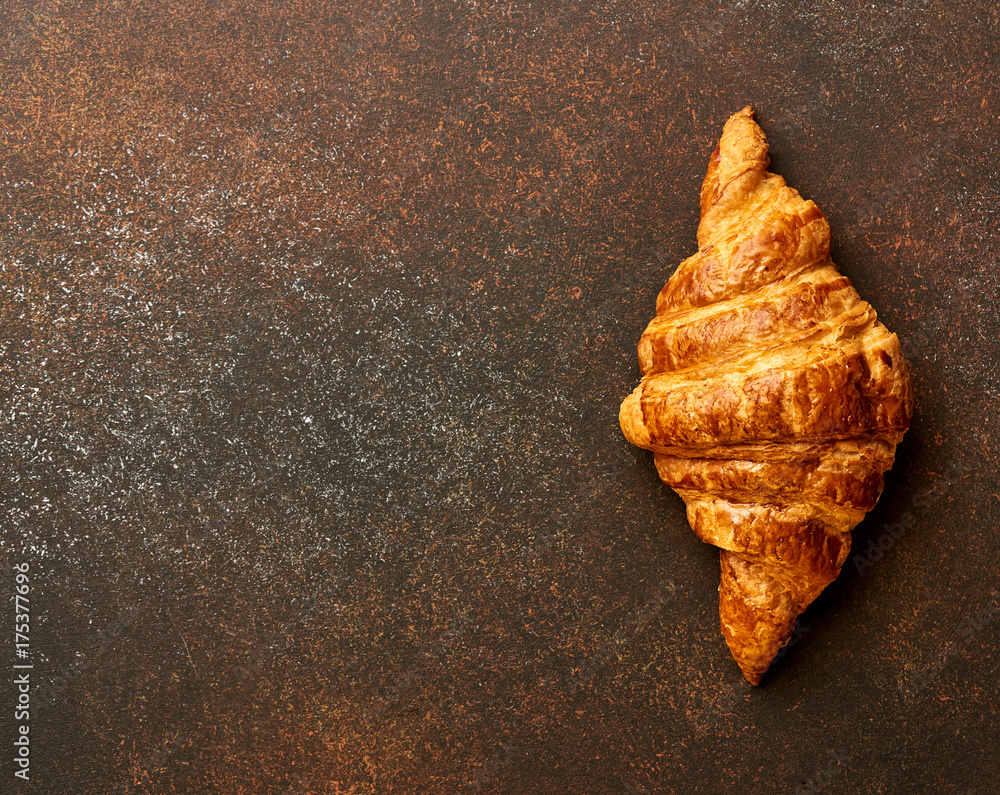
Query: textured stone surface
(315, 324)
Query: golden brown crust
(834, 481)
(771, 395)
(803, 305)
(821, 390)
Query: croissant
(771, 396)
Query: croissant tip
(753, 677)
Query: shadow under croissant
(884, 526)
(816, 617)
(809, 628)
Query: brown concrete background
(315, 323)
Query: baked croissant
(772, 397)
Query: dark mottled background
(315, 323)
